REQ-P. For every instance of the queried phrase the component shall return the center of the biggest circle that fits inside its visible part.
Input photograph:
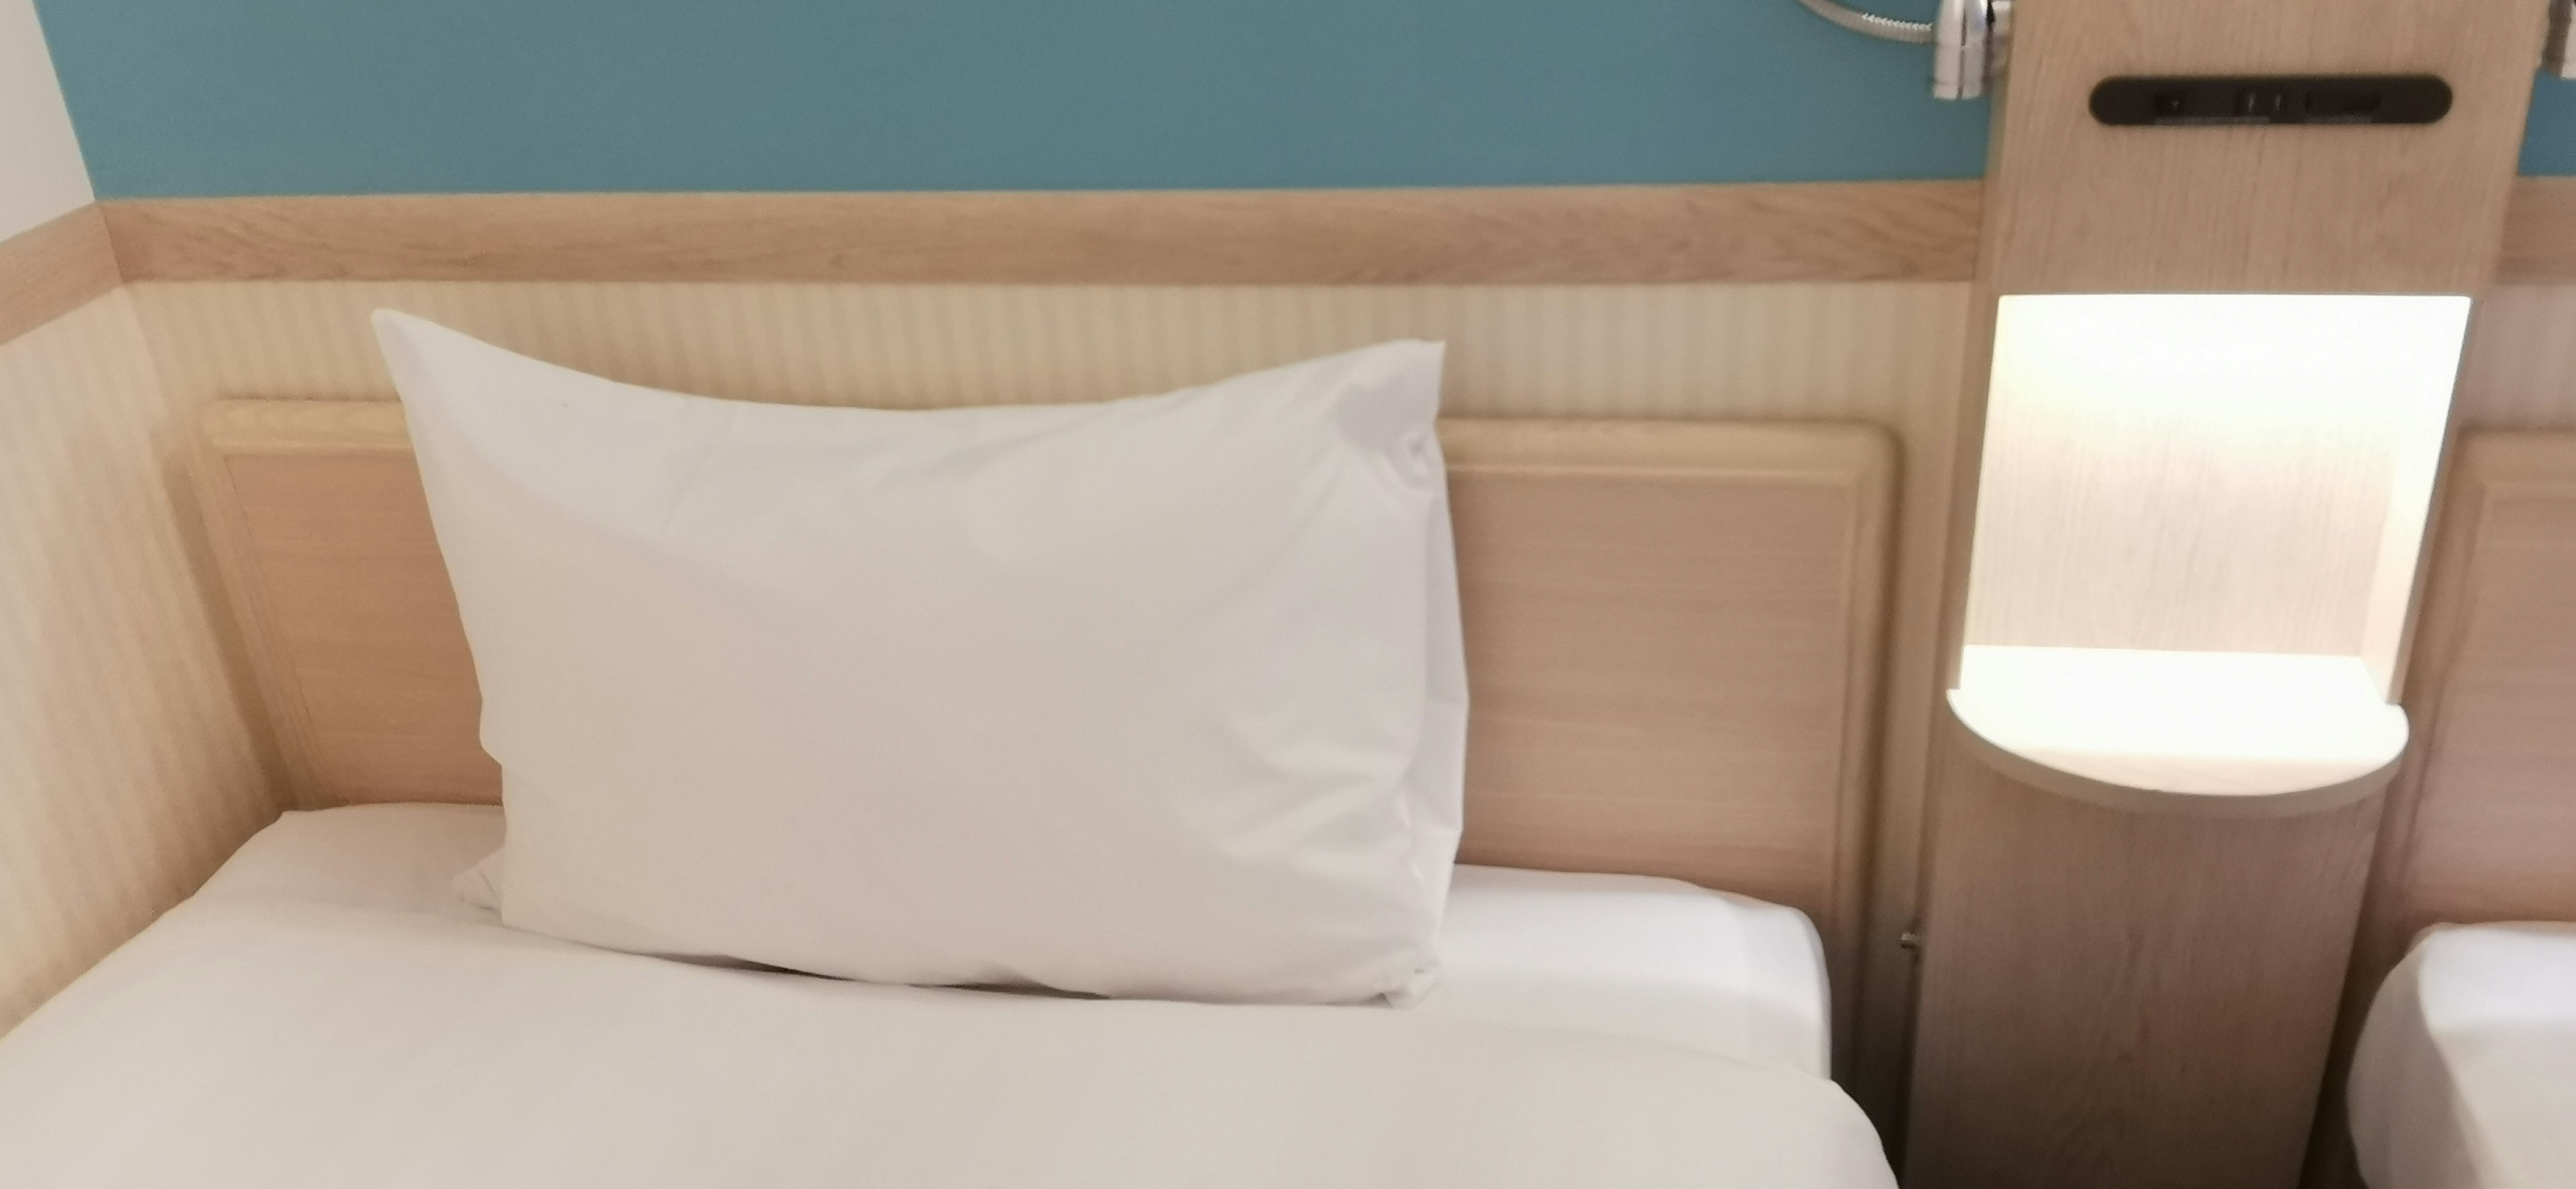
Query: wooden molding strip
(53, 268)
(1825, 231)
(2540, 233)
(1577, 234)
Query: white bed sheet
(328, 1013)
(1656, 959)
(2465, 1077)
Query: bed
(2465, 1077)
(328, 1012)
(1671, 635)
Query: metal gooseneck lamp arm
(1968, 39)
(1870, 24)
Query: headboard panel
(1672, 635)
(2482, 826)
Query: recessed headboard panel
(1672, 635)
(2480, 824)
(2482, 827)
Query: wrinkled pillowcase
(1157, 697)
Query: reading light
(2197, 530)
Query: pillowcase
(1161, 697)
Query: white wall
(41, 175)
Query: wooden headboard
(2482, 824)
(1672, 636)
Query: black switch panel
(2273, 99)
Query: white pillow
(1160, 697)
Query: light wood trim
(53, 268)
(2076, 207)
(1573, 234)
(1673, 631)
(2540, 233)
(272, 427)
(1895, 231)
(233, 430)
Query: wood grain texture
(2076, 207)
(53, 268)
(2219, 473)
(1672, 643)
(1898, 230)
(1579, 234)
(1672, 636)
(321, 533)
(2485, 828)
(2539, 233)
(2125, 1000)
(2520, 368)
(1778, 351)
(1944, 435)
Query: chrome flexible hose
(1871, 24)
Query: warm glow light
(2211, 472)
(2236, 358)
(2212, 723)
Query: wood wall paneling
(2539, 233)
(1923, 650)
(2077, 207)
(1604, 724)
(2119, 1000)
(2484, 827)
(1542, 235)
(329, 594)
(127, 771)
(2520, 370)
(1831, 231)
(52, 269)
(1785, 351)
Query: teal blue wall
(212, 97)
(215, 97)
(2550, 145)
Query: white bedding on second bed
(2465, 1077)
(328, 1013)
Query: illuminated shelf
(2210, 473)
(2199, 518)
(2231, 733)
